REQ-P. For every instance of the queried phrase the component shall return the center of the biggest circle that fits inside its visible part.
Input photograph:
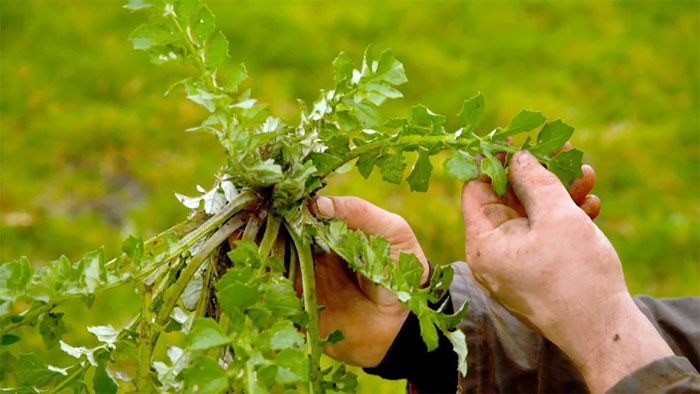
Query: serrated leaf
(491, 167)
(52, 328)
(552, 137)
(423, 116)
(427, 330)
(411, 269)
(235, 76)
(472, 112)
(462, 166)
(217, 51)
(149, 35)
(419, 178)
(523, 121)
(567, 165)
(205, 375)
(365, 163)
(206, 333)
(391, 167)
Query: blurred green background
(92, 151)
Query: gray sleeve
(505, 355)
(667, 375)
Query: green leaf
(282, 300)
(472, 111)
(523, 121)
(134, 248)
(205, 375)
(51, 279)
(203, 26)
(235, 76)
(294, 366)
(335, 337)
(427, 329)
(390, 70)
(551, 138)
(391, 167)
(102, 383)
(459, 345)
(14, 278)
(184, 9)
(284, 335)
(367, 112)
(567, 165)
(462, 166)
(91, 271)
(419, 178)
(324, 162)
(135, 5)
(423, 116)
(206, 333)
(365, 163)
(52, 328)
(343, 67)
(149, 35)
(217, 52)
(491, 167)
(9, 339)
(32, 372)
(236, 291)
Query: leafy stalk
(252, 339)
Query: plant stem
(145, 341)
(308, 280)
(174, 292)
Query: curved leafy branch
(227, 276)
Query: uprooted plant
(235, 302)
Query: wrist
(611, 340)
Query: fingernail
(522, 158)
(323, 207)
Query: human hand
(542, 257)
(369, 316)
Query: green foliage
(102, 131)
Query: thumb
(539, 190)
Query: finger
(539, 190)
(478, 202)
(582, 186)
(359, 214)
(591, 205)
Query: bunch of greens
(225, 277)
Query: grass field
(92, 151)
